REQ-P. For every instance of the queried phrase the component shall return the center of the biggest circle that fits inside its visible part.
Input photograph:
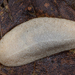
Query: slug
(36, 39)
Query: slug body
(35, 39)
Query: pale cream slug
(35, 39)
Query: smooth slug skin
(35, 39)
